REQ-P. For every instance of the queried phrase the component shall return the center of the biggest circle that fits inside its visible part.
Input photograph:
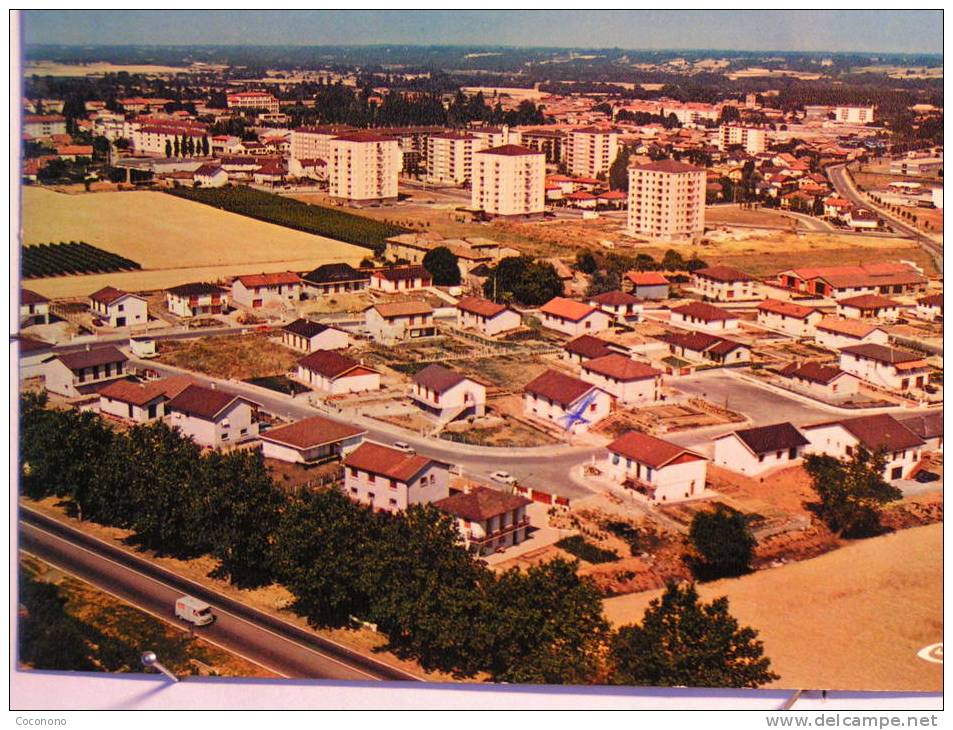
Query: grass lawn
(243, 357)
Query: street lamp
(149, 659)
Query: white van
(194, 611)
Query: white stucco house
(116, 308)
(754, 451)
(885, 367)
(213, 418)
(792, 319)
(392, 480)
(262, 290)
(488, 520)
(573, 318)
(834, 333)
(333, 373)
(307, 336)
(312, 440)
(701, 316)
(625, 379)
(659, 470)
(75, 374)
(392, 322)
(569, 403)
(447, 394)
(486, 317)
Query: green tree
(619, 170)
(190, 146)
(684, 643)
(322, 554)
(724, 542)
(168, 148)
(49, 638)
(428, 593)
(548, 626)
(523, 279)
(852, 491)
(205, 147)
(586, 262)
(175, 147)
(443, 266)
(244, 512)
(673, 261)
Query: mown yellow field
(854, 618)
(175, 240)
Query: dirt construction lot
(176, 241)
(854, 618)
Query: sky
(911, 31)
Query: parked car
(503, 477)
(403, 446)
(925, 477)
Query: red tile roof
(588, 346)
(813, 372)
(786, 309)
(402, 309)
(648, 450)
(438, 378)
(92, 358)
(620, 367)
(330, 364)
(723, 273)
(401, 273)
(137, 394)
(706, 312)
(882, 353)
(482, 307)
(868, 301)
(107, 295)
(558, 387)
(386, 461)
(280, 278)
(873, 432)
(615, 299)
(28, 296)
(850, 327)
(646, 278)
(567, 309)
(776, 437)
(480, 504)
(311, 432)
(205, 403)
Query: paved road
(844, 184)
(284, 648)
(546, 469)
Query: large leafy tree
(548, 626)
(851, 492)
(723, 541)
(619, 170)
(682, 642)
(167, 489)
(524, 280)
(244, 509)
(322, 554)
(428, 594)
(443, 266)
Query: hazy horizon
(782, 31)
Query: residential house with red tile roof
(792, 319)
(701, 347)
(842, 438)
(488, 318)
(196, 299)
(212, 417)
(659, 470)
(488, 520)
(34, 308)
(141, 402)
(725, 284)
(572, 404)
(393, 322)
(117, 308)
(870, 306)
(586, 347)
(845, 281)
(334, 373)
(648, 284)
(447, 394)
(833, 333)
(701, 316)
(262, 290)
(827, 382)
(930, 307)
(314, 440)
(886, 367)
(754, 451)
(625, 379)
(621, 306)
(573, 318)
(392, 480)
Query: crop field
(65, 259)
(174, 240)
(850, 634)
(294, 214)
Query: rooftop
(567, 309)
(386, 461)
(311, 432)
(558, 387)
(776, 437)
(480, 504)
(621, 368)
(649, 450)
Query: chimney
(212, 385)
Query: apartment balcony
(496, 534)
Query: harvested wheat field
(853, 618)
(175, 240)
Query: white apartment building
(591, 151)
(44, 125)
(253, 101)
(752, 139)
(450, 158)
(508, 180)
(363, 166)
(854, 114)
(311, 148)
(485, 138)
(151, 139)
(666, 200)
